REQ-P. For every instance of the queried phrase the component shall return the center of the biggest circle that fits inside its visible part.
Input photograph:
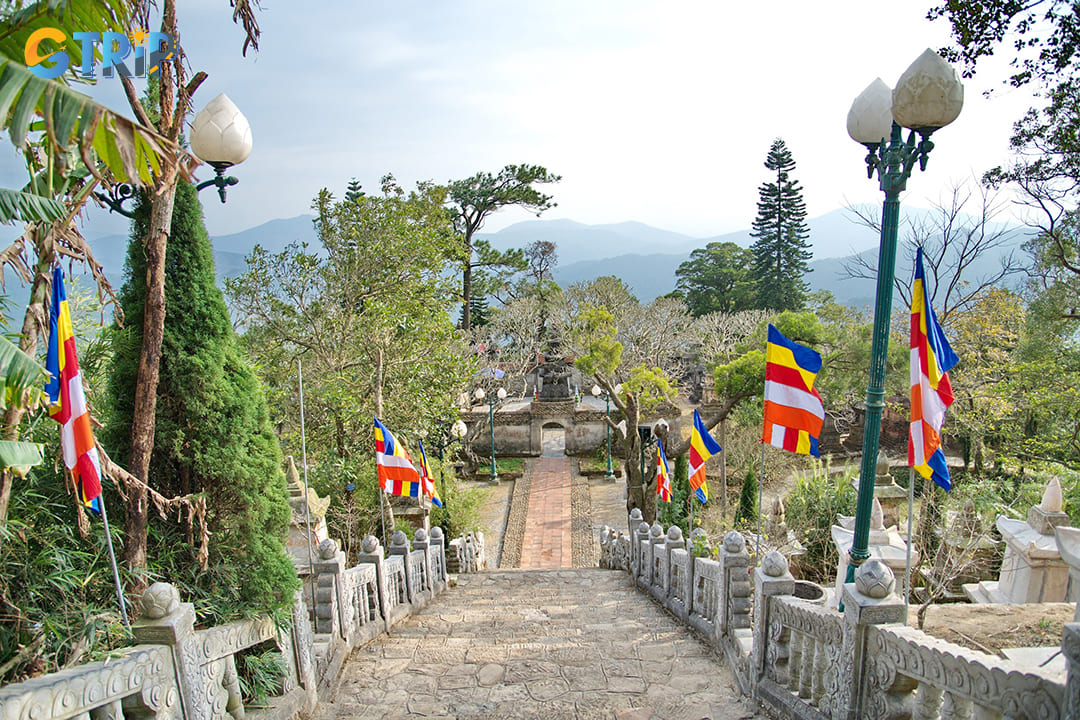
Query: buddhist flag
(702, 447)
(429, 482)
(931, 391)
(67, 402)
(794, 412)
(663, 476)
(397, 474)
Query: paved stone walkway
(547, 539)
(538, 644)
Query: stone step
(538, 643)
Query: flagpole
(760, 485)
(112, 561)
(907, 563)
(307, 508)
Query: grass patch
(503, 465)
(595, 465)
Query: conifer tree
(781, 251)
(213, 432)
(748, 508)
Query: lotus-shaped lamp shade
(459, 429)
(220, 134)
(869, 121)
(929, 95)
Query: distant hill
(648, 276)
(577, 242)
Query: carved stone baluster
(806, 673)
(167, 621)
(330, 613)
(771, 579)
(820, 660)
(983, 712)
(399, 545)
(372, 553)
(868, 601)
(956, 707)
(231, 682)
(927, 702)
(795, 646)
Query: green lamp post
(597, 391)
(927, 97)
(492, 401)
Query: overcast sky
(656, 112)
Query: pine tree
(478, 308)
(748, 508)
(781, 251)
(354, 191)
(213, 432)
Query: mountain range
(645, 257)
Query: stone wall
(521, 432)
(803, 659)
(177, 671)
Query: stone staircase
(566, 643)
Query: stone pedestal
(1068, 542)
(884, 544)
(1032, 570)
(306, 522)
(886, 491)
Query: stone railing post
(421, 542)
(437, 551)
(633, 523)
(734, 584)
(673, 541)
(371, 552)
(1070, 648)
(399, 545)
(640, 538)
(869, 600)
(772, 578)
(167, 621)
(656, 538)
(330, 611)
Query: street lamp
(220, 137)
(597, 391)
(491, 403)
(927, 97)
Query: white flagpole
(112, 561)
(760, 485)
(307, 508)
(907, 564)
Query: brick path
(554, 644)
(547, 540)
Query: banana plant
(20, 386)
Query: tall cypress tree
(781, 251)
(213, 432)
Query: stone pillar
(891, 495)
(870, 600)
(641, 549)
(299, 529)
(1032, 570)
(772, 578)
(656, 538)
(371, 552)
(885, 544)
(734, 584)
(438, 547)
(632, 523)
(420, 542)
(674, 541)
(167, 621)
(399, 545)
(1070, 648)
(329, 602)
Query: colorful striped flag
(397, 474)
(794, 412)
(931, 391)
(663, 476)
(702, 447)
(67, 402)
(429, 482)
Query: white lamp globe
(459, 429)
(501, 394)
(929, 95)
(479, 394)
(596, 390)
(220, 134)
(869, 121)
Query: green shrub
(812, 508)
(747, 512)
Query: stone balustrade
(176, 671)
(804, 659)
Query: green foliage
(716, 278)
(650, 385)
(677, 512)
(747, 512)
(461, 507)
(213, 433)
(781, 253)
(260, 671)
(596, 332)
(812, 508)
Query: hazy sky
(656, 112)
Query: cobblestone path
(546, 542)
(538, 644)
